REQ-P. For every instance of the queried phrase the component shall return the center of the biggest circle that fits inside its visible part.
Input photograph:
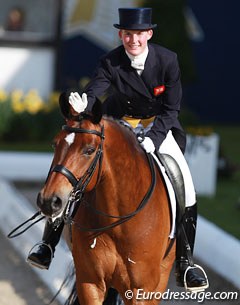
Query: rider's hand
(148, 145)
(78, 103)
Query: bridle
(81, 184)
(79, 187)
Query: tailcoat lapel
(131, 76)
(150, 69)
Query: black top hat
(135, 19)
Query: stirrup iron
(194, 289)
(30, 262)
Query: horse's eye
(88, 151)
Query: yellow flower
(17, 106)
(3, 96)
(17, 95)
(33, 102)
(16, 101)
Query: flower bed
(27, 117)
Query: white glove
(148, 145)
(78, 103)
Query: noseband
(81, 184)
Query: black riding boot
(42, 256)
(195, 278)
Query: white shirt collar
(137, 62)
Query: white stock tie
(138, 64)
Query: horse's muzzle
(51, 206)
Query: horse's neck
(124, 166)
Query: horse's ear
(97, 111)
(64, 104)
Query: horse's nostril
(50, 205)
(56, 203)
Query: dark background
(210, 68)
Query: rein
(80, 185)
(13, 233)
(123, 218)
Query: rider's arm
(170, 107)
(99, 84)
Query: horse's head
(77, 158)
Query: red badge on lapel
(159, 90)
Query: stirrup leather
(194, 289)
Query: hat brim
(135, 26)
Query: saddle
(175, 176)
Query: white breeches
(170, 147)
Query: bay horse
(122, 220)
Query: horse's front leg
(90, 294)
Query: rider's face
(135, 41)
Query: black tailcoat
(157, 92)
